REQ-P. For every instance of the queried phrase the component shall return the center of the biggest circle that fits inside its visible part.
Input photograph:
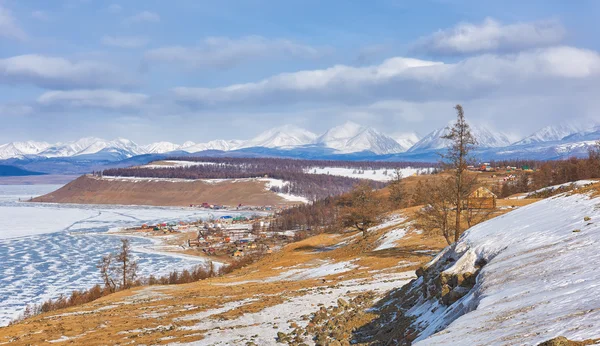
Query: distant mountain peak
(351, 137)
(282, 136)
(557, 132)
(486, 138)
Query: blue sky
(180, 70)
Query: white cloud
(40, 15)
(9, 28)
(226, 52)
(144, 17)
(115, 8)
(15, 110)
(491, 35)
(125, 41)
(408, 79)
(103, 99)
(55, 72)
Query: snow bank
(388, 240)
(539, 278)
(322, 270)
(575, 184)
(269, 183)
(392, 221)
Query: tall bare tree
(106, 268)
(126, 266)
(457, 159)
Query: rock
(321, 340)
(445, 290)
(342, 303)
(562, 341)
(469, 280)
(454, 295)
(420, 272)
(281, 336)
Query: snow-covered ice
(49, 249)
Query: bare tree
(396, 189)
(436, 216)
(106, 267)
(126, 266)
(361, 208)
(457, 159)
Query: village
(222, 238)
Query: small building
(481, 198)
(226, 219)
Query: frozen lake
(47, 249)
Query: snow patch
(388, 240)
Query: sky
(179, 70)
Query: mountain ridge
(346, 141)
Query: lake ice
(51, 249)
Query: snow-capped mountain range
(347, 138)
(485, 137)
(554, 141)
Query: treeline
(318, 186)
(295, 164)
(301, 183)
(319, 216)
(552, 173)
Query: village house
(481, 198)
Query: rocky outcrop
(332, 326)
(562, 341)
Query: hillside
(167, 192)
(291, 296)
(254, 304)
(521, 278)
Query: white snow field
(373, 174)
(571, 185)
(541, 279)
(49, 249)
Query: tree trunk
(124, 274)
(458, 207)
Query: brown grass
(111, 319)
(91, 190)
